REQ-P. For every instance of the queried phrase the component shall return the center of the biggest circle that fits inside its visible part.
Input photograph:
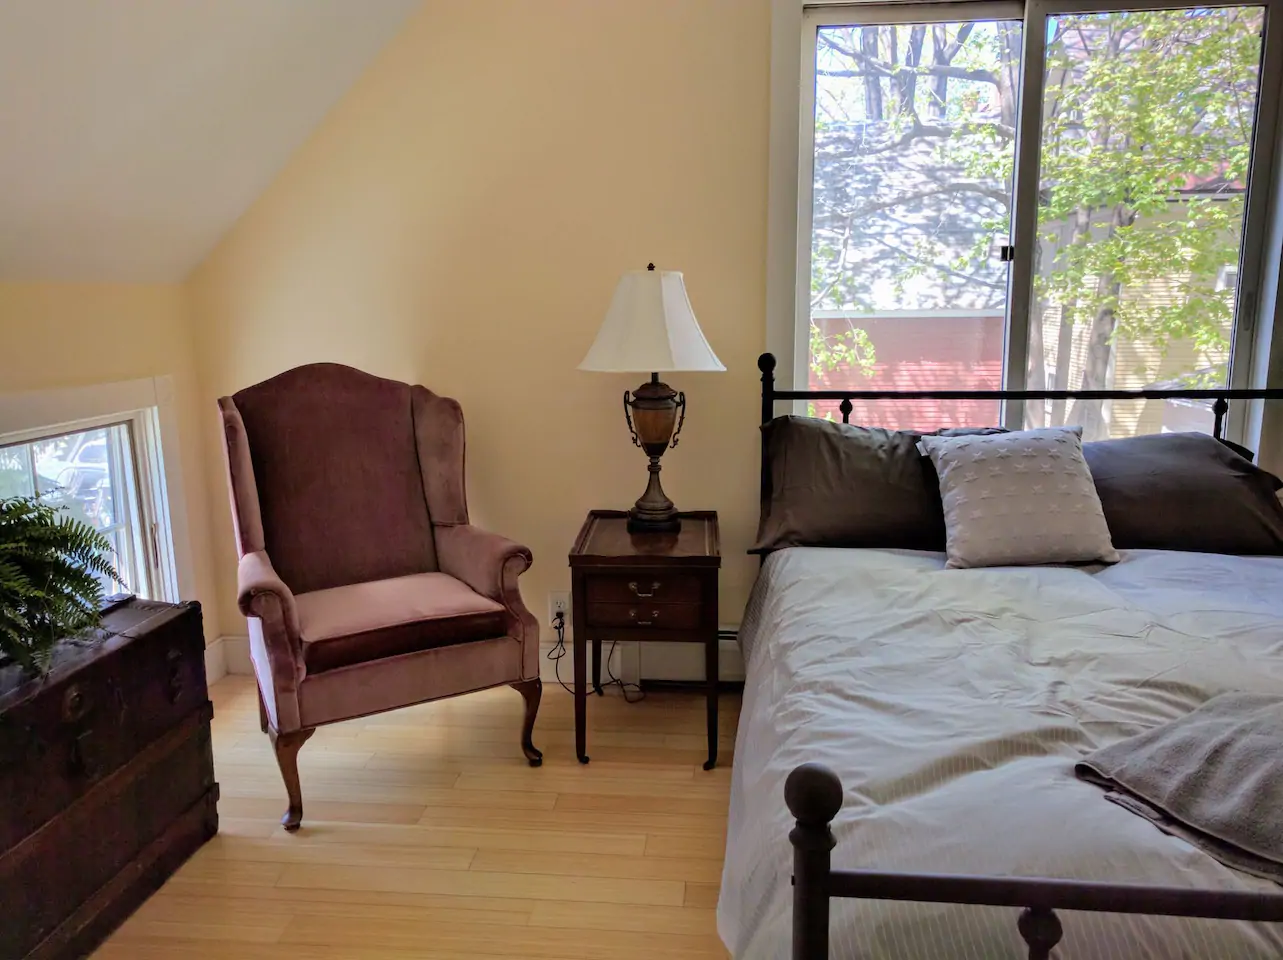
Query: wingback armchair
(365, 586)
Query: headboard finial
(766, 362)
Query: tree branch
(944, 189)
(877, 69)
(920, 130)
(940, 267)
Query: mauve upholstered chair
(365, 587)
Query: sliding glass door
(1144, 157)
(913, 148)
(1044, 195)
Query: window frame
(148, 407)
(1256, 360)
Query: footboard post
(813, 793)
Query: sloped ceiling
(134, 133)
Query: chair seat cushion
(342, 626)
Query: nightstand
(643, 586)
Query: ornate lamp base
(653, 512)
(652, 412)
(638, 525)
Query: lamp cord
(631, 691)
(559, 648)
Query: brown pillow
(1185, 491)
(839, 485)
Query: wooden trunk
(106, 778)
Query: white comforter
(953, 704)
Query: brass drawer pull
(654, 589)
(654, 615)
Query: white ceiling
(133, 133)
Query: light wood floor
(426, 835)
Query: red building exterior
(920, 353)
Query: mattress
(953, 704)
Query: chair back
(340, 493)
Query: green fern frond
(50, 565)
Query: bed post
(1219, 408)
(813, 793)
(766, 363)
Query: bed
(952, 705)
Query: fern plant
(49, 588)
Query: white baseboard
(652, 660)
(236, 655)
(685, 661)
(215, 661)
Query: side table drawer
(651, 587)
(657, 616)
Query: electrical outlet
(558, 602)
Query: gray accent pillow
(1185, 491)
(840, 485)
(1019, 498)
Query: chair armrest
(255, 577)
(490, 565)
(486, 562)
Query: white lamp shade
(650, 327)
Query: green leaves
(1146, 139)
(851, 347)
(50, 564)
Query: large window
(94, 475)
(1040, 196)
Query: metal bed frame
(814, 793)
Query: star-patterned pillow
(1021, 498)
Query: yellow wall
(460, 220)
(75, 334)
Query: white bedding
(953, 704)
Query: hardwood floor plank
(587, 820)
(702, 895)
(354, 790)
(260, 930)
(320, 811)
(622, 804)
(586, 781)
(711, 846)
(559, 837)
(240, 872)
(275, 913)
(534, 886)
(646, 749)
(308, 900)
(205, 950)
(599, 865)
(282, 848)
(614, 916)
(339, 780)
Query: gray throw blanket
(1214, 778)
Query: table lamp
(650, 327)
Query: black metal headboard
(766, 363)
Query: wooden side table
(644, 586)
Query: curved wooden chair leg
(531, 691)
(287, 746)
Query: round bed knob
(813, 793)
